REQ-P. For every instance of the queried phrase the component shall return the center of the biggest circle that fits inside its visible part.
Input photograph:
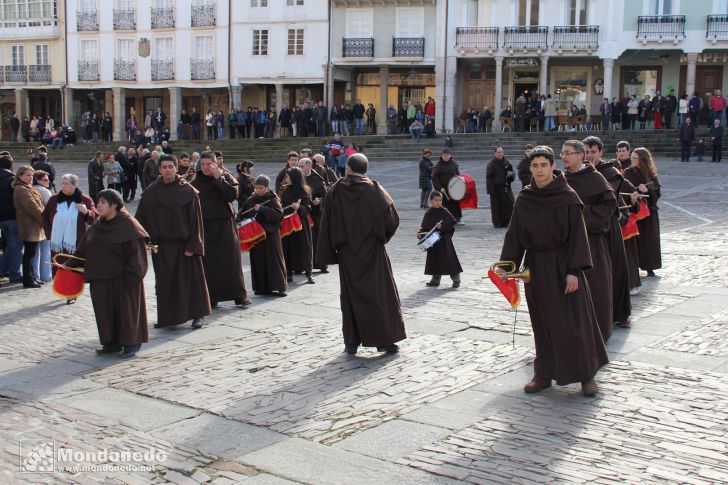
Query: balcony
(530, 37)
(49, 30)
(162, 69)
(660, 28)
(2, 76)
(358, 47)
(576, 37)
(408, 47)
(717, 28)
(477, 39)
(124, 70)
(88, 70)
(87, 20)
(16, 74)
(202, 69)
(125, 19)
(162, 18)
(39, 73)
(203, 15)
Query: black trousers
(685, 153)
(29, 248)
(717, 149)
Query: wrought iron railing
(477, 38)
(88, 70)
(2, 76)
(408, 47)
(203, 15)
(661, 27)
(124, 70)
(576, 37)
(163, 18)
(87, 20)
(717, 27)
(202, 69)
(39, 73)
(526, 37)
(16, 74)
(125, 19)
(162, 69)
(358, 47)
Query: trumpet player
(547, 233)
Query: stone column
(329, 88)
(235, 101)
(175, 111)
(498, 87)
(279, 98)
(109, 102)
(21, 103)
(608, 69)
(690, 77)
(68, 107)
(543, 84)
(119, 115)
(383, 100)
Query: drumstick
(425, 232)
(253, 208)
(628, 193)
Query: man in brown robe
(630, 245)
(445, 169)
(359, 218)
(621, 300)
(114, 249)
(292, 161)
(318, 186)
(170, 212)
(328, 175)
(218, 189)
(600, 205)
(547, 227)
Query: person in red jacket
(717, 106)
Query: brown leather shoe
(537, 384)
(589, 389)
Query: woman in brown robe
(548, 227)
(223, 264)
(643, 175)
(246, 181)
(114, 249)
(267, 265)
(445, 169)
(600, 205)
(297, 247)
(170, 212)
(318, 185)
(441, 258)
(499, 176)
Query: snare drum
(429, 240)
(456, 187)
(290, 224)
(250, 233)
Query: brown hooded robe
(318, 185)
(498, 185)
(172, 216)
(648, 242)
(548, 226)
(359, 218)
(441, 175)
(297, 246)
(441, 258)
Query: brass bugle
(642, 196)
(153, 248)
(511, 272)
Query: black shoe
(432, 283)
(289, 279)
(71, 301)
(389, 349)
(309, 280)
(281, 294)
(29, 282)
(108, 349)
(198, 322)
(213, 304)
(651, 274)
(456, 284)
(351, 349)
(324, 271)
(130, 351)
(241, 302)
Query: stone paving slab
(708, 337)
(640, 429)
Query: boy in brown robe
(600, 204)
(441, 258)
(114, 249)
(548, 228)
(318, 185)
(359, 219)
(223, 264)
(267, 265)
(170, 212)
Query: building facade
(580, 51)
(32, 60)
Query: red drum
(644, 211)
(291, 223)
(310, 221)
(68, 283)
(250, 233)
(470, 200)
(630, 229)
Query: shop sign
(708, 58)
(522, 62)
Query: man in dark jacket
(195, 123)
(687, 137)
(358, 111)
(13, 253)
(716, 139)
(669, 108)
(96, 176)
(14, 128)
(42, 163)
(694, 106)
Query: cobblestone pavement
(266, 396)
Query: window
(662, 7)
(202, 3)
(528, 12)
(151, 103)
(292, 3)
(125, 5)
(260, 42)
(576, 12)
(295, 42)
(163, 48)
(259, 3)
(640, 81)
(41, 55)
(125, 49)
(410, 22)
(163, 3)
(18, 55)
(87, 5)
(89, 50)
(202, 49)
(359, 23)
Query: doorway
(707, 78)
(527, 89)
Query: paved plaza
(265, 395)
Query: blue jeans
(549, 124)
(344, 127)
(13, 255)
(57, 142)
(681, 120)
(41, 263)
(416, 133)
(359, 126)
(335, 126)
(96, 136)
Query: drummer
(441, 258)
(445, 169)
